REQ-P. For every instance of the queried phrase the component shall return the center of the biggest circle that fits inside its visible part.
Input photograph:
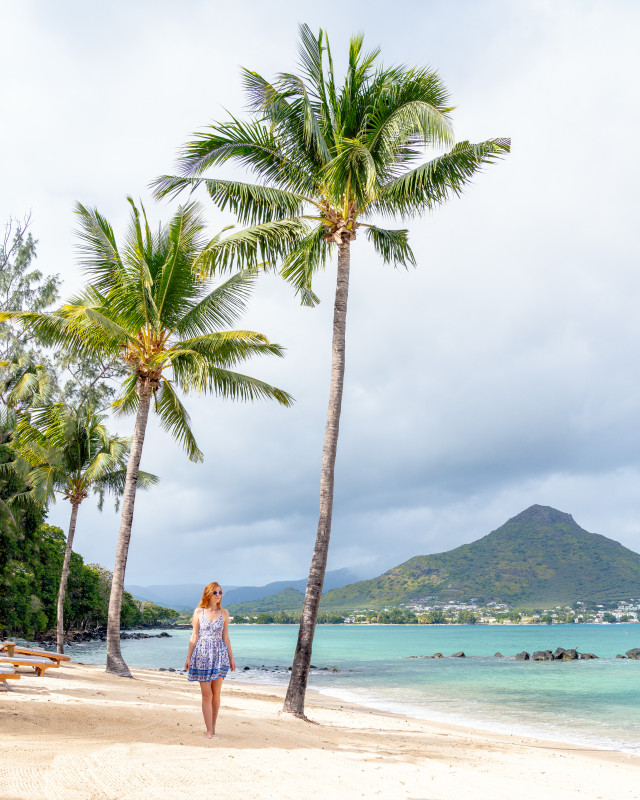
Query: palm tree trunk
(66, 564)
(294, 700)
(115, 662)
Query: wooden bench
(39, 664)
(11, 649)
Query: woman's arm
(225, 637)
(194, 637)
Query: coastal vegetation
(70, 452)
(151, 305)
(335, 158)
(31, 559)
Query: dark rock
(620, 656)
(542, 655)
(587, 656)
(561, 654)
(523, 656)
(498, 655)
(635, 653)
(164, 635)
(439, 655)
(246, 668)
(566, 655)
(459, 654)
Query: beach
(82, 734)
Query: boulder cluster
(560, 654)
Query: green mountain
(541, 557)
(286, 600)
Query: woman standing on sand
(210, 657)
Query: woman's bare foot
(209, 734)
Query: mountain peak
(543, 515)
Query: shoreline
(336, 698)
(83, 734)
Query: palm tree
(152, 304)
(334, 158)
(61, 450)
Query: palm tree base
(116, 666)
(300, 715)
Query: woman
(210, 657)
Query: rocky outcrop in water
(634, 653)
(523, 656)
(565, 655)
(542, 655)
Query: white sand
(80, 734)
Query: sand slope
(80, 734)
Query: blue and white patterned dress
(210, 658)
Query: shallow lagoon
(592, 702)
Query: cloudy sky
(503, 371)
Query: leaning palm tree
(336, 158)
(152, 303)
(69, 452)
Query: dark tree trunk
(115, 662)
(294, 700)
(66, 565)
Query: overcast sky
(503, 371)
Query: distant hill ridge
(187, 596)
(539, 558)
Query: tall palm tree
(152, 303)
(66, 451)
(335, 158)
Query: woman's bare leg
(207, 708)
(216, 688)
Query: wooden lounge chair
(7, 671)
(8, 646)
(28, 651)
(39, 664)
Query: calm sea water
(594, 703)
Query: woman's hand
(186, 665)
(232, 664)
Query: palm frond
(301, 263)
(266, 242)
(433, 183)
(128, 400)
(221, 307)
(391, 245)
(174, 419)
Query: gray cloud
(501, 372)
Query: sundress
(210, 658)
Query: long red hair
(207, 594)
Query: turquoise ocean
(594, 703)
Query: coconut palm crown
(69, 452)
(152, 304)
(335, 158)
(338, 159)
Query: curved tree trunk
(115, 662)
(294, 700)
(66, 564)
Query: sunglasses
(217, 591)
